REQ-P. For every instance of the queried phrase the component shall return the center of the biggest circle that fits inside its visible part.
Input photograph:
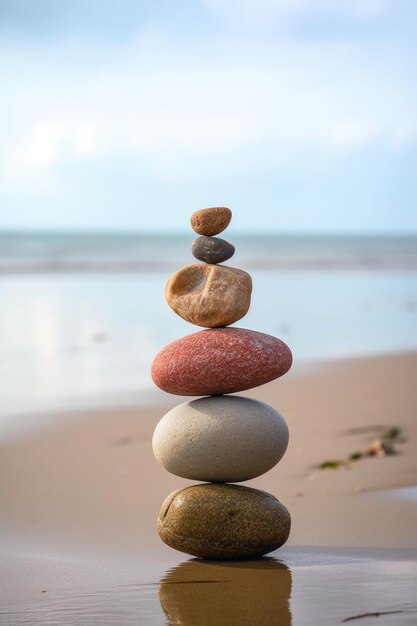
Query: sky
(300, 115)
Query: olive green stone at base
(222, 521)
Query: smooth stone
(220, 360)
(220, 439)
(220, 521)
(209, 295)
(211, 221)
(212, 249)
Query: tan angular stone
(209, 295)
(222, 521)
(211, 221)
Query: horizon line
(105, 232)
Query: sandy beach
(79, 500)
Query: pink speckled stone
(220, 360)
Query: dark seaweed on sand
(383, 446)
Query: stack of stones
(219, 439)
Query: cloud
(45, 146)
(90, 126)
(224, 108)
(263, 11)
(42, 147)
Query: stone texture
(209, 295)
(212, 249)
(202, 593)
(220, 360)
(220, 439)
(218, 521)
(211, 221)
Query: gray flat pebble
(212, 249)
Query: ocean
(82, 315)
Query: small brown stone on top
(211, 221)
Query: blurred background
(119, 119)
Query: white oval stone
(220, 439)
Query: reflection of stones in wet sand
(246, 592)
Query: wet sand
(79, 500)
